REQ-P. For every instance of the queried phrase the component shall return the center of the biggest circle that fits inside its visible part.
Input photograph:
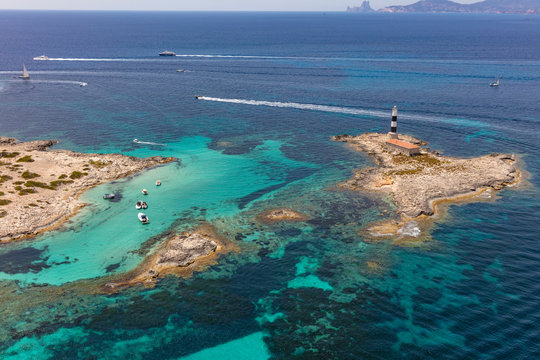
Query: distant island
(446, 6)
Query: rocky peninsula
(40, 187)
(418, 183)
(180, 255)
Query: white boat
(180, 70)
(41, 57)
(144, 205)
(144, 191)
(136, 141)
(158, 182)
(495, 83)
(143, 218)
(167, 53)
(25, 75)
(138, 205)
(108, 196)
(83, 84)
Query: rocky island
(40, 187)
(417, 183)
(179, 254)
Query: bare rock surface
(39, 187)
(418, 182)
(184, 249)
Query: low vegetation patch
(99, 164)
(2, 163)
(27, 158)
(63, 176)
(39, 184)
(77, 175)
(1, 193)
(4, 178)
(3, 213)
(404, 172)
(424, 159)
(4, 202)
(27, 191)
(29, 175)
(7, 154)
(56, 183)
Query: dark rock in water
(112, 267)
(23, 261)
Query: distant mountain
(365, 7)
(487, 6)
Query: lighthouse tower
(393, 127)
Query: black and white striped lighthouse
(393, 127)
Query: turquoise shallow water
(275, 87)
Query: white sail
(25, 74)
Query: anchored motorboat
(158, 182)
(108, 196)
(143, 218)
(144, 191)
(138, 205)
(144, 205)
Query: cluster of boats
(143, 218)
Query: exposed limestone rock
(281, 214)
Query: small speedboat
(136, 141)
(144, 191)
(167, 53)
(108, 196)
(158, 182)
(83, 84)
(42, 57)
(495, 83)
(144, 205)
(198, 97)
(143, 218)
(180, 70)
(138, 205)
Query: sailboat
(495, 84)
(25, 75)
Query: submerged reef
(41, 187)
(418, 183)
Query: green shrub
(3, 213)
(4, 202)
(7, 154)
(27, 158)
(77, 175)
(27, 191)
(29, 175)
(63, 176)
(4, 178)
(2, 193)
(98, 164)
(54, 184)
(32, 183)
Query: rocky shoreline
(180, 255)
(40, 187)
(418, 183)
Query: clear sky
(205, 5)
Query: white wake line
(314, 58)
(324, 108)
(147, 142)
(31, 81)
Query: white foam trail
(147, 142)
(32, 81)
(333, 109)
(99, 59)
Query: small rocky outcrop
(184, 249)
(281, 214)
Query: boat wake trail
(344, 110)
(136, 141)
(32, 81)
(294, 105)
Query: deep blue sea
(275, 88)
